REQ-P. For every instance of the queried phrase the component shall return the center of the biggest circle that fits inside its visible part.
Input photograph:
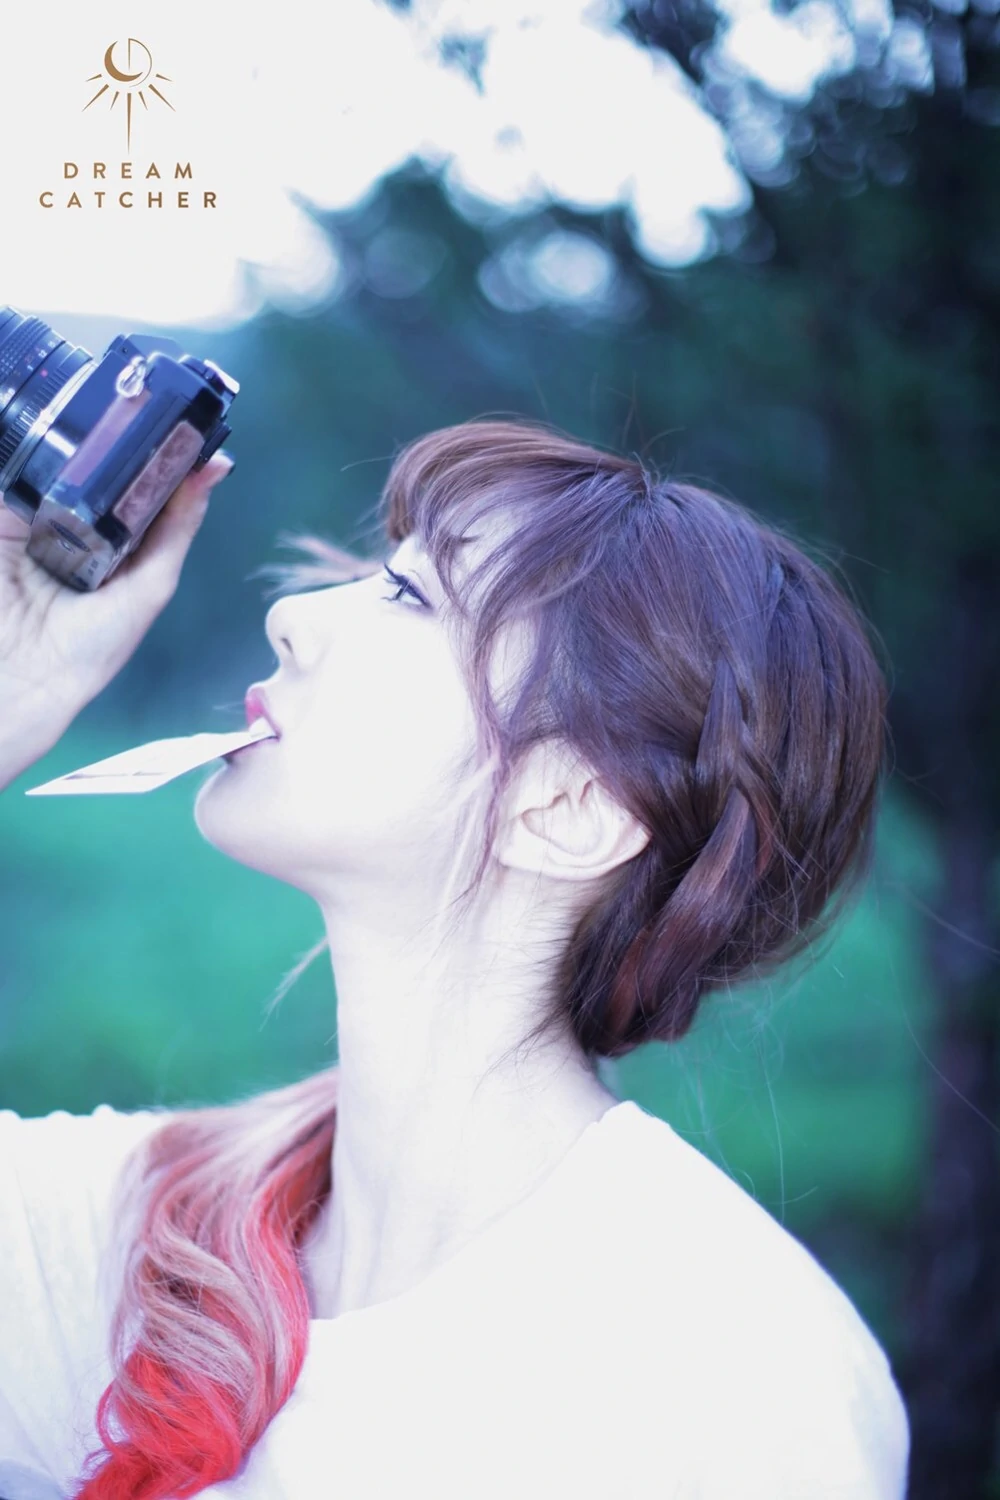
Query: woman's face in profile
(375, 722)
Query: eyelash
(404, 587)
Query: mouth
(256, 707)
(245, 749)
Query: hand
(59, 647)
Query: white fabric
(637, 1327)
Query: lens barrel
(35, 364)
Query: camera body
(92, 449)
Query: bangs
(555, 517)
(440, 522)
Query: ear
(562, 821)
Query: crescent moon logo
(110, 66)
(130, 83)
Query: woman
(592, 746)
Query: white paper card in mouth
(149, 766)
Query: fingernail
(218, 466)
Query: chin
(232, 823)
(228, 821)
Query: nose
(281, 632)
(297, 625)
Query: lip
(256, 705)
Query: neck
(441, 1125)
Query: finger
(201, 481)
(12, 527)
(155, 566)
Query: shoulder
(58, 1175)
(59, 1170)
(777, 1359)
(99, 1139)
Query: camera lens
(35, 364)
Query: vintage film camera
(92, 449)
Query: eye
(404, 586)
